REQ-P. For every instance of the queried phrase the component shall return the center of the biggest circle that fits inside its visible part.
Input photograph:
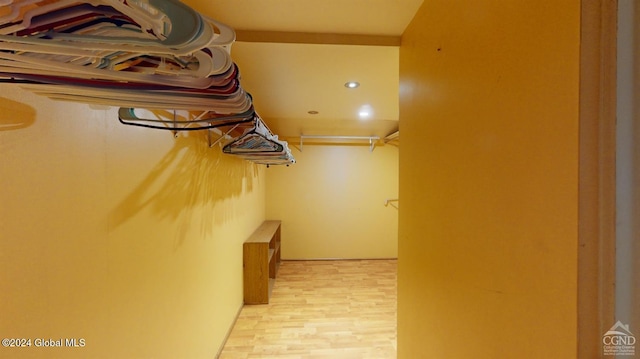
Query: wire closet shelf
(162, 63)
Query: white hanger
(72, 70)
(87, 65)
(217, 63)
(40, 10)
(190, 25)
(236, 103)
(142, 13)
(16, 9)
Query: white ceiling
(372, 17)
(295, 56)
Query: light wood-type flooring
(322, 309)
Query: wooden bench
(260, 261)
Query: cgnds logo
(619, 340)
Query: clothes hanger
(259, 145)
(217, 62)
(135, 99)
(257, 139)
(201, 64)
(137, 55)
(72, 70)
(211, 61)
(212, 33)
(128, 116)
(236, 102)
(157, 21)
(285, 157)
(224, 86)
(146, 15)
(75, 14)
(186, 25)
(14, 9)
(24, 21)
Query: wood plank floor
(322, 309)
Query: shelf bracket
(175, 125)
(391, 202)
(222, 135)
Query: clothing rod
(340, 137)
(372, 139)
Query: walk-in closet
(307, 179)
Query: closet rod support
(393, 202)
(222, 135)
(175, 125)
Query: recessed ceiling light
(365, 112)
(351, 84)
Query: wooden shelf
(261, 259)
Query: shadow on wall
(15, 115)
(189, 185)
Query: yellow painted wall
(125, 237)
(488, 180)
(331, 202)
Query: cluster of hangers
(258, 144)
(144, 56)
